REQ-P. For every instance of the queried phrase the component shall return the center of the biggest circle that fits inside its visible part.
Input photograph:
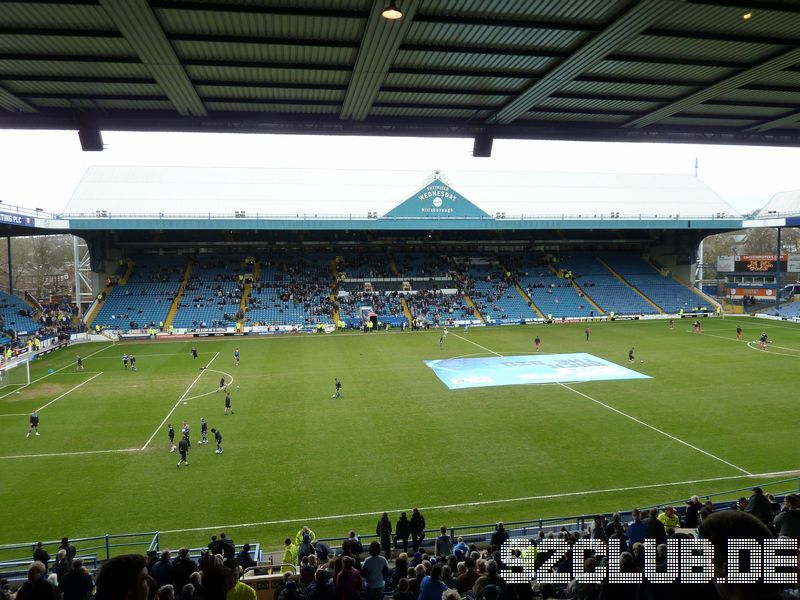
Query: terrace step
(633, 287)
(177, 300)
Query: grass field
(717, 412)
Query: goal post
(16, 374)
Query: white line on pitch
(656, 429)
(57, 370)
(169, 414)
(52, 454)
(16, 415)
(82, 383)
(460, 505)
(143, 355)
(632, 418)
(476, 344)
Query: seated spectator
(787, 522)
(432, 586)
(403, 591)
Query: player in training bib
(203, 431)
(227, 403)
(236, 356)
(218, 439)
(34, 421)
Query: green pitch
(715, 410)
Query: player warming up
(183, 448)
(671, 324)
(227, 403)
(203, 431)
(222, 385)
(763, 341)
(236, 356)
(588, 332)
(441, 341)
(194, 353)
(537, 342)
(78, 363)
(185, 432)
(171, 435)
(132, 358)
(631, 358)
(125, 360)
(739, 332)
(337, 388)
(218, 438)
(34, 424)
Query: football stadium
(268, 378)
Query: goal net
(15, 374)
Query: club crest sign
(436, 200)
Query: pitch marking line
(632, 418)
(462, 505)
(69, 391)
(169, 414)
(212, 391)
(53, 454)
(57, 370)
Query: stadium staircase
(406, 310)
(475, 310)
(631, 286)
(246, 293)
(528, 299)
(335, 293)
(128, 272)
(177, 301)
(698, 292)
(578, 288)
(38, 309)
(94, 309)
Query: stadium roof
(782, 203)
(319, 193)
(649, 70)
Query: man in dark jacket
(693, 507)
(215, 546)
(182, 568)
(76, 584)
(417, 523)
(787, 522)
(759, 507)
(71, 550)
(500, 536)
(654, 529)
(322, 550)
(244, 558)
(384, 531)
(163, 570)
(401, 532)
(41, 554)
(228, 546)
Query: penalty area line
(188, 389)
(632, 418)
(79, 453)
(459, 505)
(69, 391)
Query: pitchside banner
(461, 373)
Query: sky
(40, 169)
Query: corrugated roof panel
(273, 108)
(445, 99)
(135, 104)
(665, 92)
(73, 69)
(758, 97)
(250, 24)
(706, 122)
(344, 5)
(720, 110)
(455, 82)
(264, 52)
(493, 36)
(449, 60)
(577, 11)
(440, 113)
(257, 93)
(782, 78)
(61, 15)
(688, 49)
(69, 88)
(728, 19)
(573, 117)
(256, 74)
(83, 46)
(589, 105)
(656, 71)
(54, 103)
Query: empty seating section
(16, 314)
(212, 297)
(664, 291)
(605, 288)
(791, 309)
(147, 297)
(292, 289)
(496, 297)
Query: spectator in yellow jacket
(299, 537)
(289, 556)
(669, 518)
